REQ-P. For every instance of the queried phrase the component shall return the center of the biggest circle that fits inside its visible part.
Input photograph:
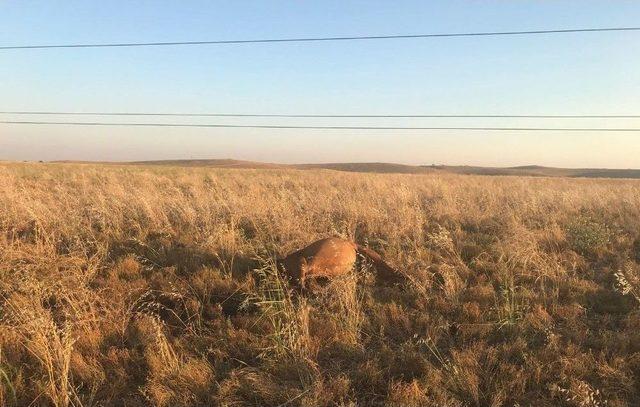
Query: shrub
(588, 237)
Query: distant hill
(539, 171)
(218, 163)
(386, 168)
(350, 167)
(392, 168)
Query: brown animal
(331, 257)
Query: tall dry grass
(156, 286)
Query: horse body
(329, 258)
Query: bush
(588, 237)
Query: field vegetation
(138, 286)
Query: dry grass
(155, 286)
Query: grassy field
(390, 168)
(142, 286)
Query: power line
(322, 39)
(496, 116)
(589, 129)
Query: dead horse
(332, 257)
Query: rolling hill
(393, 168)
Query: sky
(588, 73)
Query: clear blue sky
(559, 74)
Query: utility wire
(531, 116)
(319, 39)
(590, 129)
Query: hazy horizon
(441, 164)
(574, 74)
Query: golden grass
(155, 286)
